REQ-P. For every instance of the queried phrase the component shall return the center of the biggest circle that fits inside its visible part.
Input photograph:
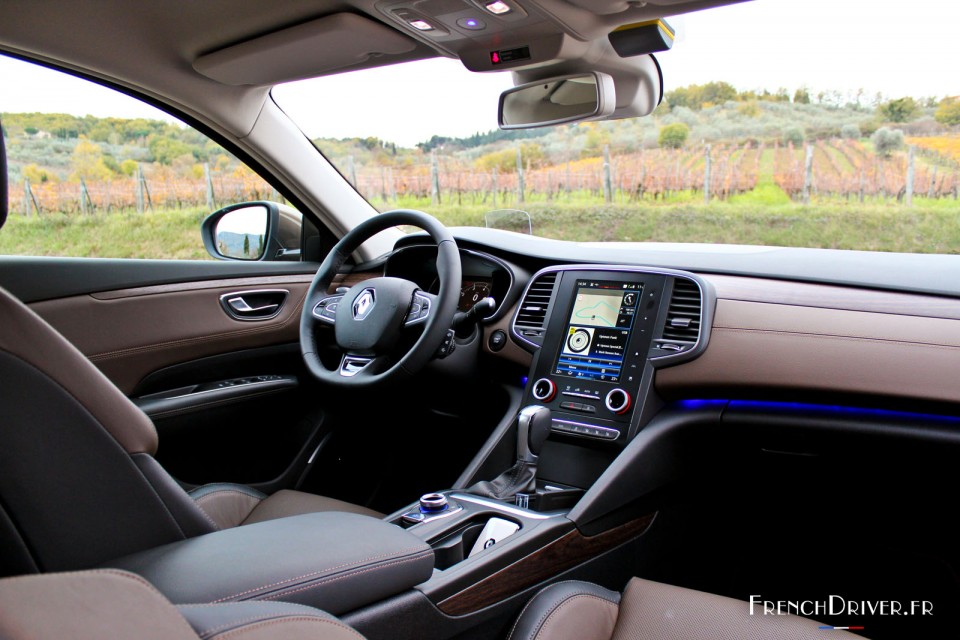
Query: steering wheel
(372, 316)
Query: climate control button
(544, 389)
(618, 401)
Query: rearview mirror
(557, 100)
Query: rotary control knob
(433, 503)
(544, 389)
(618, 401)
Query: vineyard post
(931, 191)
(145, 191)
(706, 175)
(495, 187)
(566, 184)
(520, 184)
(861, 186)
(139, 179)
(910, 173)
(352, 170)
(434, 178)
(607, 178)
(383, 183)
(393, 185)
(808, 175)
(211, 203)
(85, 198)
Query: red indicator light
(495, 57)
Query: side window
(129, 181)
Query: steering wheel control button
(419, 309)
(544, 390)
(497, 340)
(618, 401)
(433, 503)
(326, 309)
(448, 345)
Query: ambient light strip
(827, 409)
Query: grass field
(763, 216)
(169, 234)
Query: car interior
(455, 432)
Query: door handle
(240, 306)
(261, 304)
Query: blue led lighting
(693, 405)
(826, 409)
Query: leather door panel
(130, 333)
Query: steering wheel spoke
(420, 308)
(326, 309)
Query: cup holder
(455, 545)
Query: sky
(894, 48)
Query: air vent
(533, 309)
(683, 317)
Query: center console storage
(334, 561)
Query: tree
(87, 161)
(801, 96)
(246, 245)
(850, 132)
(673, 136)
(165, 150)
(794, 136)
(886, 141)
(128, 167)
(948, 112)
(899, 109)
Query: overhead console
(598, 333)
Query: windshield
(816, 124)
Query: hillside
(63, 149)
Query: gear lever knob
(533, 427)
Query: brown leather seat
(80, 484)
(653, 611)
(93, 605)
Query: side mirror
(265, 231)
(557, 100)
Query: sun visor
(310, 49)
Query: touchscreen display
(598, 332)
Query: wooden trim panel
(560, 555)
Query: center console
(597, 334)
(604, 331)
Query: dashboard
(782, 325)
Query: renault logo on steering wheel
(364, 304)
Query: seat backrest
(92, 605)
(4, 194)
(78, 482)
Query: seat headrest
(3, 179)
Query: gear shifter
(533, 427)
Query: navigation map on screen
(598, 331)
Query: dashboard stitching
(837, 337)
